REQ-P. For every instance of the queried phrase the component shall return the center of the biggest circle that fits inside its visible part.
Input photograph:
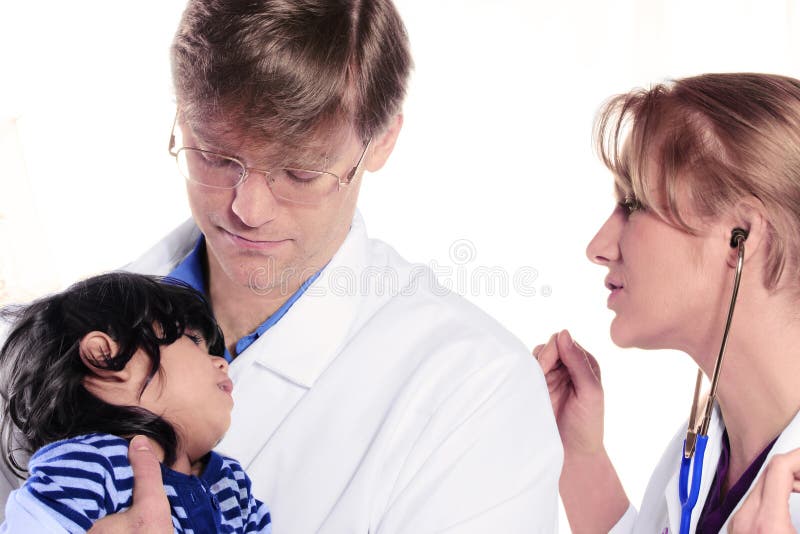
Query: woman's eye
(630, 205)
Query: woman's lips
(615, 287)
(613, 284)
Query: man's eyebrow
(311, 157)
(309, 160)
(208, 140)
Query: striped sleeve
(79, 480)
(238, 499)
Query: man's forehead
(325, 145)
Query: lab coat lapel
(301, 345)
(273, 375)
(713, 450)
(297, 349)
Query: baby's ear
(95, 349)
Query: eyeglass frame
(266, 172)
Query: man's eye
(301, 176)
(215, 160)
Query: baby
(85, 370)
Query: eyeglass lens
(215, 170)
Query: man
(368, 399)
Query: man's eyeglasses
(301, 186)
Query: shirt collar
(191, 271)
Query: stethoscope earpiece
(736, 235)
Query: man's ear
(383, 144)
(96, 349)
(749, 216)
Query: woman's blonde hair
(715, 140)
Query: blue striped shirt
(80, 480)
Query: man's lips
(253, 243)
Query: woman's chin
(620, 335)
(626, 337)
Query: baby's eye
(196, 339)
(631, 204)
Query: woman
(692, 161)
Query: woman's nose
(604, 246)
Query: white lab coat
(383, 403)
(661, 509)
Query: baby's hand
(150, 510)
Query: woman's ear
(96, 349)
(749, 216)
(383, 144)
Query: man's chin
(270, 279)
(264, 275)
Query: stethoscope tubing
(697, 440)
(689, 501)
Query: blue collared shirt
(190, 271)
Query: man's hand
(766, 508)
(150, 510)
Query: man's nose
(253, 202)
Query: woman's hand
(590, 489)
(149, 513)
(766, 508)
(576, 394)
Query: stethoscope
(697, 435)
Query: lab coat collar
(710, 461)
(165, 255)
(302, 344)
(786, 442)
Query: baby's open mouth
(226, 386)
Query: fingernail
(140, 443)
(569, 337)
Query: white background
(495, 155)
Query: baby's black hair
(42, 374)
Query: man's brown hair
(286, 70)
